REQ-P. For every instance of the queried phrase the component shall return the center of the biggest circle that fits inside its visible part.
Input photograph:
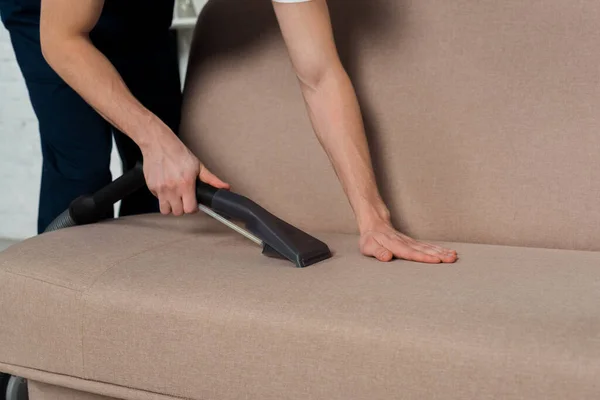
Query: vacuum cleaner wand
(277, 237)
(231, 225)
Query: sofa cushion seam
(42, 280)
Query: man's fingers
(188, 197)
(447, 251)
(176, 206)
(374, 249)
(208, 177)
(382, 254)
(428, 250)
(445, 254)
(445, 257)
(172, 202)
(407, 252)
(165, 207)
(449, 257)
(439, 249)
(419, 256)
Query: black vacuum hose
(64, 220)
(90, 209)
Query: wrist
(151, 134)
(373, 216)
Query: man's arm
(170, 168)
(336, 118)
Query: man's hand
(171, 171)
(384, 243)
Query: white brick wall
(20, 156)
(19, 150)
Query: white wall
(20, 157)
(19, 150)
(20, 154)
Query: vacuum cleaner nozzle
(280, 239)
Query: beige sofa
(484, 122)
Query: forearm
(337, 121)
(83, 67)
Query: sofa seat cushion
(186, 308)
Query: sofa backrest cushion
(483, 116)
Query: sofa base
(44, 391)
(46, 385)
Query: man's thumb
(208, 177)
(374, 249)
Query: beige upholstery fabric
(48, 272)
(483, 119)
(42, 391)
(197, 312)
(483, 116)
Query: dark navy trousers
(76, 142)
